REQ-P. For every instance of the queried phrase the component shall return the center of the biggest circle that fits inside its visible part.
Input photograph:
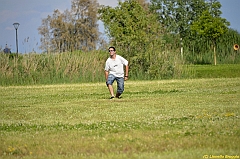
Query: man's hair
(111, 47)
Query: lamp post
(16, 27)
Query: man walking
(114, 70)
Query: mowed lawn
(194, 118)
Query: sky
(29, 14)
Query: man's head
(112, 51)
(111, 48)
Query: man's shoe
(118, 95)
(112, 97)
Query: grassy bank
(218, 71)
(154, 119)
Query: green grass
(218, 71)
(154, 119)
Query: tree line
(155, 36)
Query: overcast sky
(29, 14)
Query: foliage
(210, 25)
(137, 35)
(226, 53)
(129, 24)
(177, 18)
(76, 29)
(199, 51)
(154, 119)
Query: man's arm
(126, 72)
(106, 75)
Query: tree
(85, 23)
(76, 29)
(177, 16)
(134, 30)
(44, 30)
(211, 25)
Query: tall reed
(199, 50)
(52, 68)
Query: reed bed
(52, 68)
(81, 67)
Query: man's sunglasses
(110, 50)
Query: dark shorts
(120, 82)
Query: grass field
(195, 118)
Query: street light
(16, 27)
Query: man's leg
(109, 83)
(120, 86)
(110, 88)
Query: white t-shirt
(115, 66)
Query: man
(114, 70)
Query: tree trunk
(214, 51)
(215, 56)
